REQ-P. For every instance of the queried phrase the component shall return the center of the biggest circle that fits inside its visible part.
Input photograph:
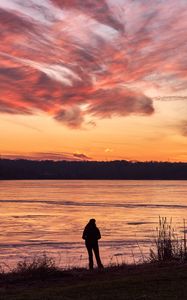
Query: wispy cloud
(56, 156)
(182, 126)
(78, 60)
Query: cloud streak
(56, 156)
(82, 60)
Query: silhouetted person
(91, 235)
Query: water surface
(37, 216)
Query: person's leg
(90, 256)
(97, 256)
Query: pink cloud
(86, 59)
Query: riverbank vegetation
(168, 244)
(146, 282)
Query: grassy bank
(146, 281)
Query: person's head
(92, 222)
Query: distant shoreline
(91, 170)
(87, 179)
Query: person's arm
(98, 234)
(84, 234)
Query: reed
(168, 245)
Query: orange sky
(113, 89)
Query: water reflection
(38, 216)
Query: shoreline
(149, 281)
(21, 169)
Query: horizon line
(91, 161)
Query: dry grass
(168, 244)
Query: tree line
(119, 169)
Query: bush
(40, 265)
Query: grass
(147, 281)
(168, 245)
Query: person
(91, 235)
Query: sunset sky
(93, 79)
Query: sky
(93, 80)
